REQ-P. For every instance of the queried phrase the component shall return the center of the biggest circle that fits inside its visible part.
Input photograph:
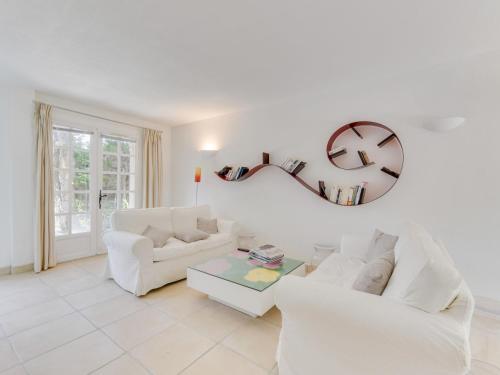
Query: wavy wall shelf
(357, 128)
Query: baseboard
(4, 271)
(22, 269)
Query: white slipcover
(329, 328)
(138, 267)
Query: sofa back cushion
(423, 276)
(138, 219)
(185, 219)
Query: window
(71, 181)
(118, 176)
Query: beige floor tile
(256, 340)
(35, 341)
(103, 292)
(107, 312)
(18, 370)
(8, 357)
(81, 356)
(15, 284)
(223, 361)
(62, 274)
(216, 321)
(273, 316)
(172, 350)
(78, 285)
(33, 316)
(157, 295)
(125, 365)
(138, 327)
(95, 265)
(27, 297)
(180, 305)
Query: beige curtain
(45, 230)
(152, 170)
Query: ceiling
(183, 61)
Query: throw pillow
(374, 275)
(381, 243)
(191, 236)
(158, 236)
(208, 225)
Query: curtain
(152, 169)
(44, 256)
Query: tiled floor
(69, 320)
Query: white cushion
(176, 248)
(137, 220)
(423, 277)
(184, 219)
(338, 269)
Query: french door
(94, 174)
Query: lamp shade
(197, 174)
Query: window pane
(127, 182)
(61, 138)
(61, 157)
(80, 223)
(81, 141)
(61, 201)
(61, 180)
(109, 202)
(81, 181)
(106, 219)
(125, 164)
(62, 225)
(109, 163)
(109, 145)
(81, 159)
(127, 148)
(109, 182)
(80, 202)
(127, 200)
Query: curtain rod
(95, 116)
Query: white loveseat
(329, 328)
(138, 267)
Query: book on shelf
(224, 171)
(322, 189)
(389, 172)
(348, 196)
(335, 192)
(293, 166)
(364, 157)
(298, 168)
(337, 151)
(386, 140)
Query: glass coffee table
(233, 280)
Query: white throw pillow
(380, 244)
(158, 236)
(423, 277)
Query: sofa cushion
(137, 220)
(184, 219)
(207, 225)
(175, 248)
(374, 275)
(338, 269)
(381, 243)
(191, 235)
(423, 276)
(158, 236)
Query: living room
(249, 188)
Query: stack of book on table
(268, 256)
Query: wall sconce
(445, 124)
(208, 150)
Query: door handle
(101, 195)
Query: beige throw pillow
(375, 275)
(158, 236)
(208, 225)
(191, 236)
(381, 243)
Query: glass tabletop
(237, 268)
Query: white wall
(17, 191)
(450, 182)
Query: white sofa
(138, 267)
(329, 328)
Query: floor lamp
(197, 180)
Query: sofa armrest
(355, 245)
(344, 326)
(228, 226)
(129, 245)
